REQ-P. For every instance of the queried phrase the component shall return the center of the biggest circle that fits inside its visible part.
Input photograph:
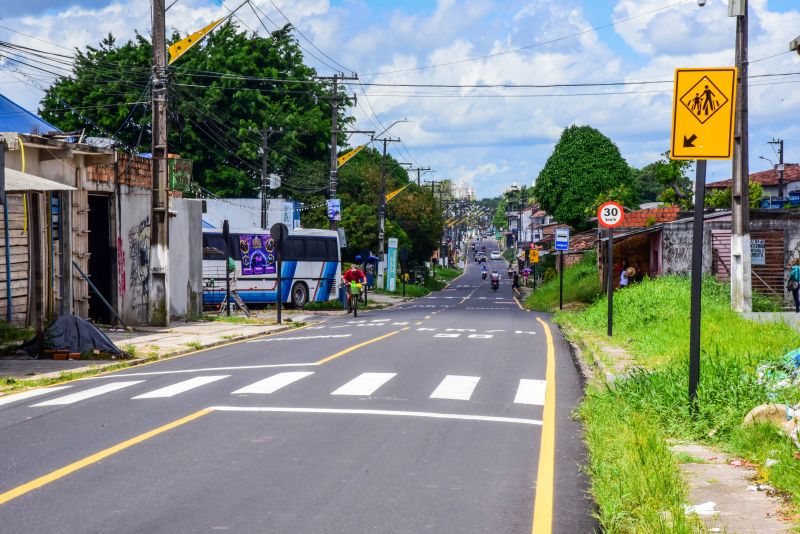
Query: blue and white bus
(311, 267)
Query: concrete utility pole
(741, 283)
(780, 167)
(334, 163)
(158, 297)
(265, 137)
(382, 207)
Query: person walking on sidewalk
(793, 284)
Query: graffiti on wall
(139, 259)
(120, 267)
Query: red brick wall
(133, 170)
(645, 218)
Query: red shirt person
(354, 274)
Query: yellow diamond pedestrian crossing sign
(703, 111)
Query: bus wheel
(299, 295)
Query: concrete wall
(133, 253)
(186, 258)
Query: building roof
(791, 173)
(15, 118)
(19, 182)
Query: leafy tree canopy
(721, 198)
(584, 165)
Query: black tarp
(73, 334)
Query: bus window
(294, 249)
(333, 249)
(316, 249)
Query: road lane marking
(531, 392)
(29, 394)
(364, 384)
(206, 370)
(460, 330)
(273, 383)
(543, 503)
(518, 304)
(418, 323)
(455, 387)
(447, 335)
(430, 415)
(356, 347)
(87, 394)
(180, 387)
(94, 458)
(304, 338)
(480, 336)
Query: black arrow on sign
(689, 143)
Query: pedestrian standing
(793, 284)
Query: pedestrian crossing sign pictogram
(703, 112)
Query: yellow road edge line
(543, 503)
(96, 457)
(355, 347)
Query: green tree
(584, 164)
(214, 119)
(647, 184)
(672, 174)
(499, 219)
(721, 198)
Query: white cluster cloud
(491, 137)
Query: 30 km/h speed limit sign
(610, 215)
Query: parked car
(495, 255)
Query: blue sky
(489, 138)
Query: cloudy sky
(487, 137)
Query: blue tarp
(15, 118)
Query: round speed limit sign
(610, 215)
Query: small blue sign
(562, 238)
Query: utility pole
(419, 173)
(780, 166)
(741, 283)
(334, 163)
(265, 137)
(382, 207)
(158, 294)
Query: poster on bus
(258, 254)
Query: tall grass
(625, 424)
(581, 286)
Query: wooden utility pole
(420, 170)
(158, 294)
(265, 184)
(334, 163)
(741, 283)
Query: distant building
(769, 180)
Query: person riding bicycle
(353, 274)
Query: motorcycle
(483, 275)
(495, 284)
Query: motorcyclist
(515, 281)
(484, 272)
(495, 276)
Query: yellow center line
(543, 503)
(96, 457)
(356, 347)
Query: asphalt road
(438, 415)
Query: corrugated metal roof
(19, 182)
(15, 118)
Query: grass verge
(581, 287)
(634, 477)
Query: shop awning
(21, 182)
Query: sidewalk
(790, 318)
(147, 343)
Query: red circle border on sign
(621, 214)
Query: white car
(495, 255)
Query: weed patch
(581, 286)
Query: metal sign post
(703, 113)
(562, 245)
(279, 232)
(226, 234)
(610, 215)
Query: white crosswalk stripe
(88, 393)
(456, 387)
(530, 392)
(273, 383)
(180, 387)
(364, 384)
(8, 399)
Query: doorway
(101, 259)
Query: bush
(549, 274)
(581, 286)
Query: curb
(135, 362)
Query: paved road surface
(433, 416)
